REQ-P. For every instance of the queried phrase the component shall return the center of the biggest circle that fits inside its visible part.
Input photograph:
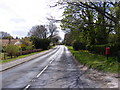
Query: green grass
(22, 56)
(8, 59)
(95, 61)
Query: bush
(100, 49)
(27, 47)
(30, 47)
(11, 50)
(3, 49)
(26, 44)
(29, 51)
(41, 43)
(78, 45)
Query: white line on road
(26, 87)
(44, 68)
(41, 72)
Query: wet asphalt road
(61, 72)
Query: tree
(11, 50)
(39, 31)
(55, 39)
(91, 22)
(8, 37)
(52, 28)
(16, 38)
(40, 43)
(68, 39)
(27, 44)
(5, 35)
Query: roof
(6, 41)
(18, 43)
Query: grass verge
(95, 61)
(22, 56)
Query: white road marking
(26, 87)
(45, 68)
(41, 72)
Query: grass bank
(95, 61)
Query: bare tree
(56, 39)
(38, 31)
(52, 27)
(5, 35)
(52, 30)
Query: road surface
(56, 69)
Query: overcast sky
(18, 16)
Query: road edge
(8, 67)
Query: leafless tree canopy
(38, 31)
(52, 29)
(4, 34)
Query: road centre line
(40, 73)
(27, 86)
(44, 68)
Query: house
(4, 42)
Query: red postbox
(107, 50)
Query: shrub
(11, 50)
(41, 43)
(30, 51)
(26, 44)
(30, 47)
(78, 45)
(100, 49)
(3, 48)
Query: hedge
(41, 43)
(28, 51)
(100, 49)
(78, 45)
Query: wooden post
(4, 56)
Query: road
(56, 69)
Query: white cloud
(18, 16)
